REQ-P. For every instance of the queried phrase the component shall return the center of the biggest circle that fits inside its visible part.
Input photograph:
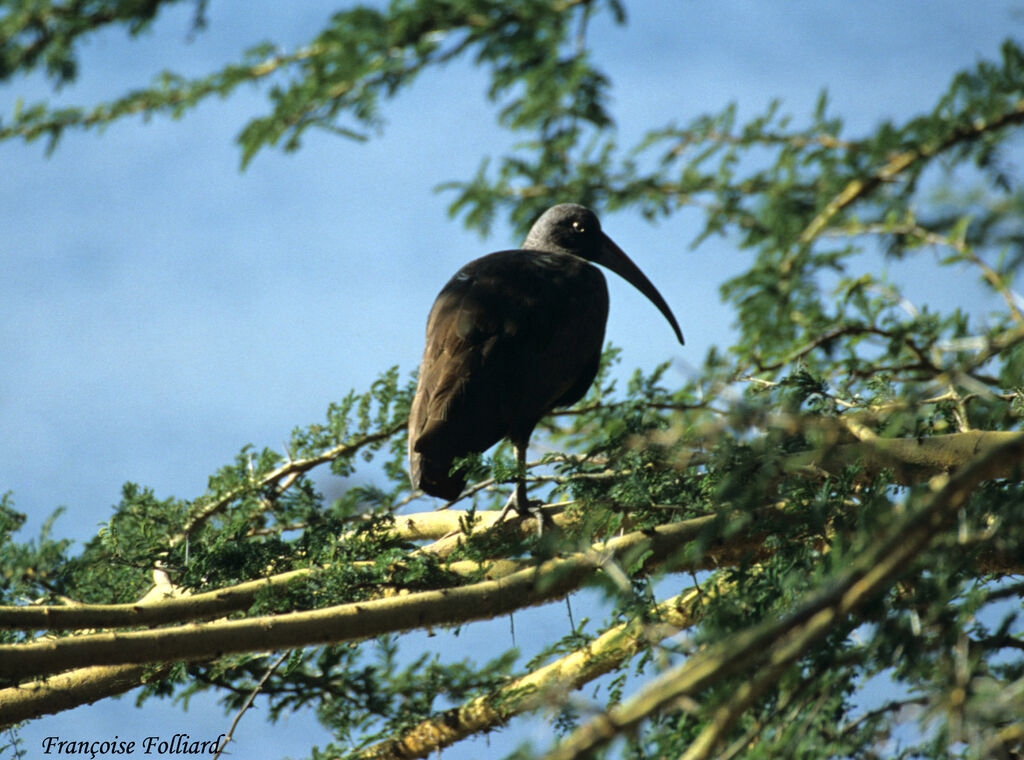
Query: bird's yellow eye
(578, 227)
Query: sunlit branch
(549, 581)
(862, 186)
(777, 643)
(723, 718)
(72, 689)
(911, 460)
(544, 686)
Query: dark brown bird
(513, 335)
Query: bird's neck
(541, 246)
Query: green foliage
(830, 356)
(338, 80)
(46, 33)
(30, 570)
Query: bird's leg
(519, 500)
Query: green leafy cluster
(831, 425)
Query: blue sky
(159, 309)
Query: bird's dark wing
(511, 335)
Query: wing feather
(511, 335)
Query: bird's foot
(525, 508)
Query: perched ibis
(513, 335)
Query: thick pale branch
(149, 612)
(205, 606)
(912, 460)
(168, 604)
(543, 686)
(446, 545)
(73, 689)
(201, 641)
(90, 683)
(86, 685)
(726, 716)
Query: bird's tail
(433, 475)
(430, 464)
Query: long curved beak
(613, 257)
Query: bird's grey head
(571, 228)
(566, 228)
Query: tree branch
(248, 702)
(544, 685)
(287, 473)
(169, 604)
(347, 622)
(862, 186)
(778, 643)
(912, 460)
(73, 689)
(726, 716)
(958, 244)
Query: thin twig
(282, 478)
(892, 706)
(248, 702)
(958, 244)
